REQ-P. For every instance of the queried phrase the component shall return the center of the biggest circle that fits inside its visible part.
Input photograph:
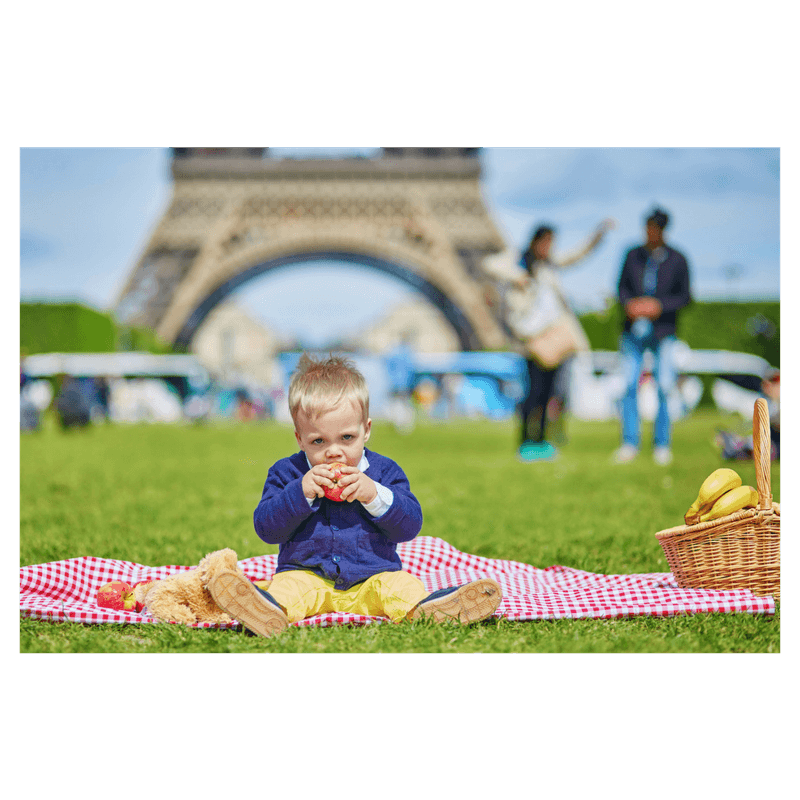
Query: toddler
(339, 556)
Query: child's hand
(357, 486)
(315, 481)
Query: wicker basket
(740, 551)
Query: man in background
(653, 287)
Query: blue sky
(86, 215)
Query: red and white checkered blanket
(66, 590)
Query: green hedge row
(74, 328)
(753, 327)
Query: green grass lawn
(170, 494)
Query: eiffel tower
(237, 212)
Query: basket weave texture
(740, 551)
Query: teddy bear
(183, 597)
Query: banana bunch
(721, 494)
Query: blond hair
(318, 386)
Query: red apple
(335, 492)
(119, 596)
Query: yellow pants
(387, 594)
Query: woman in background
(548, 329)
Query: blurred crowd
(78, 402)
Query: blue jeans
(632, 351)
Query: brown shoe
(468, 603)
(257, 610)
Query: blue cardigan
(341, 542)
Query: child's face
(335, 435)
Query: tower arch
(416, 214)
(467, 337)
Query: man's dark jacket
(672, 286)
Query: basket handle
(762, 453)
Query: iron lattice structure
(235, 213)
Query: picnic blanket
(66, 590)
